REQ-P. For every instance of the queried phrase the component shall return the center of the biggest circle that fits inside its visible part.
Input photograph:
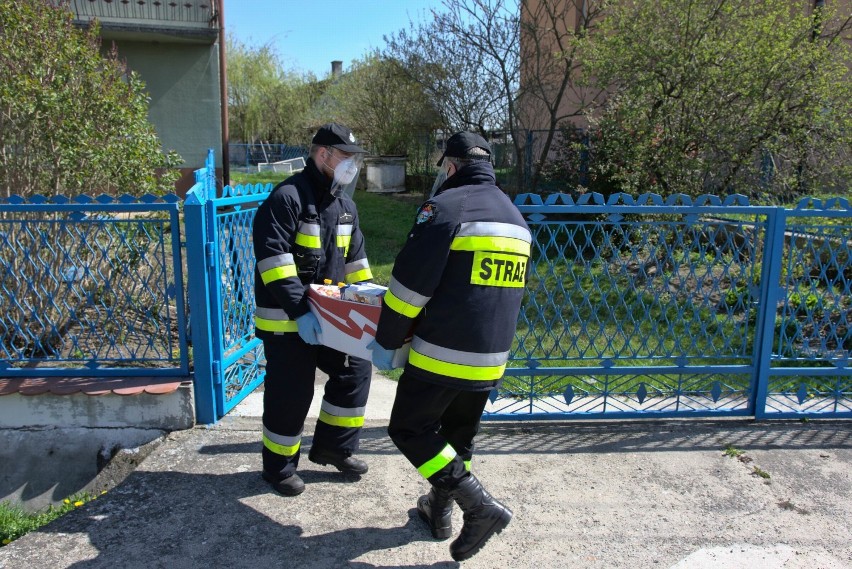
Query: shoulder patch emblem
(426, 214)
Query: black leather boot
(436, 509)
(342, 462)
(483, 517)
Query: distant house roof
(195, 21)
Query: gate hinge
(217, 377)
(208, 253)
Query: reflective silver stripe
(345, 229)
(312, 229)
(494, 229)
(457, 356)
(356, 266)
(342, 411)
(407, 295)
(281, 439)
(270, 313)
(276, 261)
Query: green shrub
(72, 120)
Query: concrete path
(589, 495)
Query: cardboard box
(349, 326)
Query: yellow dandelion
(66, 501)
(78, 503)
(103, 492)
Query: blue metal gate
(220, 261)
(664, 308)
(638, 307)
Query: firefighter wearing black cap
(307, 231)
(458, 282)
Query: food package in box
(367, 293)
(347, 325)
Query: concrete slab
(597, 496)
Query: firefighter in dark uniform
(457, 284)
(305, 232)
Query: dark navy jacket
(459, 281)
(302, 235)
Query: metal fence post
(199, 295)
(770, 293)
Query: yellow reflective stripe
(475, 373)
(281, 449)
(336, 421)
(467, 465)
(397, 305)
(309, 241)
(502, 244)
(435, 464)
(275, 325)
(278, 273)
(343, 241)
(358, 276)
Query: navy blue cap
(337, 136)
(460, 144)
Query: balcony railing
(159, 13)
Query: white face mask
(346, 171)
(344, 176)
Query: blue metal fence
(635, 307)
(91, 286)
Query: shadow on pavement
(645, 436)
(172, 519)
(547, 438)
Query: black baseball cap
(459, 144)
(337, 136)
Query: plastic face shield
(346, 174)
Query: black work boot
(289, 486)
(436, 509)
(344, 463)
(483, 517)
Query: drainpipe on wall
(223, 93)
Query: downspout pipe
(223, 94)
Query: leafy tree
(464, 96)
(720, 96)
(381, 104)
(71, 120)
(266, 101)
(291, 108)
(499, 65)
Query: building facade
(176, 47)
